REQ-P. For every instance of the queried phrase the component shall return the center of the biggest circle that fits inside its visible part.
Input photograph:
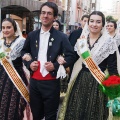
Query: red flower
(112, 81)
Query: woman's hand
(27, 57)
(61, 60)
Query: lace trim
(103, 48)
(117, 39)
(109, 47)
(16, 51)
(104, 52)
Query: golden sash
(16, 79)
(85, 54)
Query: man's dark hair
(12, 22)
(50, 5)
(84, 16)
(100, 14)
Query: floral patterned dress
(12, 104)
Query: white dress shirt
(42, 54)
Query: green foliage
(109, 18)
(111, 91)
(2, 55)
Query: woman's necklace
(91, 45)
(114, 35)
(8, 45)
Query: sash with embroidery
(92, 66)
(12, 73)
(101, 50)
(110, 88)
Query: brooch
(82, 45)
(50, 43)
(52, 39)
(36, 44)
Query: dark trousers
(44, 98)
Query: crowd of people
(49, 54)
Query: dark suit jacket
(60, 46)
(74, 36)
(73, 39)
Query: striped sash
(16, 79)
(92, 66)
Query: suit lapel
(51, 40)
(37, 41)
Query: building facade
(77, 10)
(28, 12)
(116, 9)
(25, 12)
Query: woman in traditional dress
(13, 91)
(112, 30)
(84, 100)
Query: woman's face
(110, 27)
(56, 25)
(7, 29)
(95, 24)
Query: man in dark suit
(44, 46)
(76, 33)
(74, 36)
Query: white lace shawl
(105, 46)
(16, 51)
(102, 49)
(16, 47)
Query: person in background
(112, 30)
(24, 34)
(84, 100)
(79, 26)
(76, 33)
(73, 39)
(57, 25)
(12, 86)
(63, 82)
(45, 45)
(68, 32)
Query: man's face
(83, 22)
(47, 16)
